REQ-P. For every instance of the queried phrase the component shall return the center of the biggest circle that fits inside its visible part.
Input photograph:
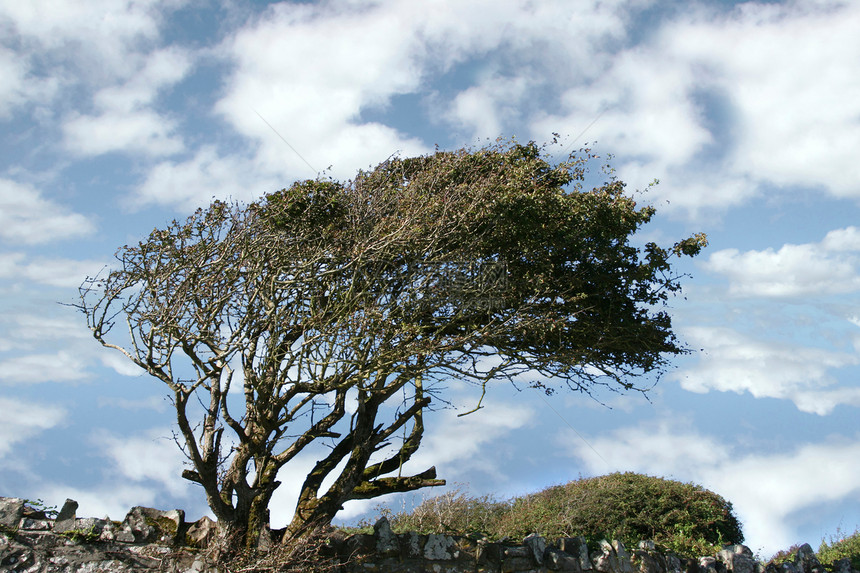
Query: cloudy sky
(118, 116)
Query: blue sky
(120, 116)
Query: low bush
(841, 546)
(679, 517)
(630, 507)
(453, 512)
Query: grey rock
(90, 524)
(202, 532)
(488, 553)
(386, 541)
(11, 511)
(537, 547)
(673, 564)
(148, 525)
(558, 560)
(708, 565)
(66, 518)
(578, 548)
(622, 556)
(411, 543)
(843, 566)
(606, 561)
(439, 547)
(737, 559)
(806, 560)
(30, 524)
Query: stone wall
(147, 539)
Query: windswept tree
(331, 313)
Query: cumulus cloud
(23, 330)
(102, 31)
(690, 111)
(125, 122)
(60, 366)
(52, 347)
(64, 273)
(765, 489)
(19, 86)
(454, 444)
(29, 218)
(112, 500)
(315, 99)
(734, 362)
(154, 457)
(831, 266)
(194, 183)
(23, 419)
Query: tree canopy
(329, 313)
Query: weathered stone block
(439, 547)
(558, 560)
(578, 548)
(360, 544)
(201, 532)
(489, 553)
(537, 546)
(410, 545)
(11, 511)
(148, 525)
(519, 565)
(386, 542)
(30, 524)
(647, 562)
(737, 559)
(66, 518)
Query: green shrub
(683, 518)
(840, 547)
(453, 512)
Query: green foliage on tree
(321, 319)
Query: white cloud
(100, 36)
(315, 97)
(194, 183)
(154, 457)
(27, 217)
(60, 366)
(140, 131)
(23, 420)
(23, 330)
(454, 444)
(19, 86)
(156, 403)
(733, 362)
(119, 363)
(125, 121)
(776, 108)
(795, 111)
(63, 273)
(487, 107)
(813, 269)
(113, 499)
(29, 327)
(764, 489)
